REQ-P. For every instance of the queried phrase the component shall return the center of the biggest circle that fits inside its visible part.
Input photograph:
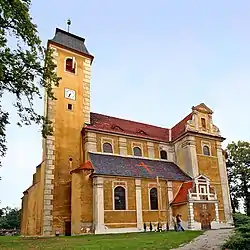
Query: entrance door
(205, 217)
(67, 228)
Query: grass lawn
(165, 240)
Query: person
(178, 221)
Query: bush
(237, 242)
(241, 239)
(240, 219)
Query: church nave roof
(138, 167)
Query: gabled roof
(202, 107)
(111, 124)
(182, 195)
(180, 127)
(116, 165)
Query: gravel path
(212, 239)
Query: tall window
(107, 148)
(137, 151)
(206, 150)
(70, 65)
(203, 123)
(164, 155)
(120, 199)
(153, 199)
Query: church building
(101, 174)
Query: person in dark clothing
(178, 221)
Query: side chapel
(102, 174)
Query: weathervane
(68, 23)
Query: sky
(154, 60)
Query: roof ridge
(70, 34)
(123, 119)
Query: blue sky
(154, 60)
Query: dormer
(202, 120)
(142, 132)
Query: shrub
(241, 239)
(237, 242)
(240, 219)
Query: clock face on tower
(70, 94)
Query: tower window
(153, 199)
(107, 148)
(206, 150)
(203, 123)
(70, 106)
(137, 151)
(70, 65)
(163, 154)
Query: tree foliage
(24, 68)
(238, 166)
(10, 218)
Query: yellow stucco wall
(208, 166)
(113, 217)
(182, 210)
(81, 202)
(32, 205)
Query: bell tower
(63, 150)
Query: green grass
(166, 240)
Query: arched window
(153, 199)
(120, 199)
(107, 148)
(137, 151)
(164, 155)
(70, 65)
(206, 150)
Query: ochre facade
(69, 195)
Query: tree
(238, 166)
(10, 218)
(24, 68)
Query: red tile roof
(106, 123)
(180, 127)
(85, 166)
(182, 195)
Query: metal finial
(68, 23)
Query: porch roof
(182, 195)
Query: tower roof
(70, 41)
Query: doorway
(67, 228)
(205, 217)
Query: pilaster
(217, 219)
(86, 90)
(171, 154)
(191, 216)
(49, 156)
(138, 204)
(123, 146)
(151, 151)
(90, 143)
(224, 184)
(98, 205)
(190, 145)
(170, 196)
